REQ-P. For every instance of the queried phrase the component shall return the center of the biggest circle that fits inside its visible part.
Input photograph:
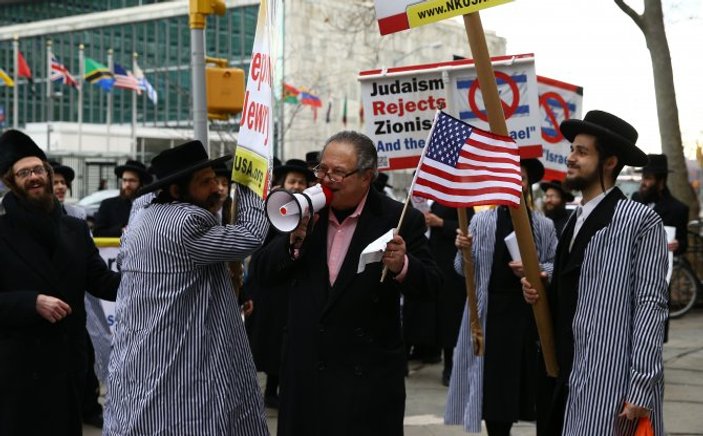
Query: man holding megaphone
(343, 360)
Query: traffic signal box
(225, 91)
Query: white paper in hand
(511, 242)
(670, 236)
(374, 251)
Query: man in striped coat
(608, 292)
(500, 386)
(181, 363)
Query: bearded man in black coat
(47, 262)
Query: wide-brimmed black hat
(535, 170)
(15, 145)
(223, 169)
(613, 133)
(312, 158)
(137, 167)
(66, 171)
(178, 162)
(658, 164)
(293, 165)
(567, 196)
(381, 181)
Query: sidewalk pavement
(683, 398)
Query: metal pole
(108, 117)
(81, 75)
(15, 77)
(197, 55)
(133, 136)
(282, 116)
(49, 96)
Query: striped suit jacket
(618, 325)
(181, 363)
(464, 401)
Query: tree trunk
(651, 23)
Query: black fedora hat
(137, 167)
(567, 196)
(535, 169)
(312, 158)
(178, 162)
(66, 171)
(657, 164)
(15, 145)
(381, 182)
(223, 169)
(293, 165)
(613, 133)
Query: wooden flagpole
(496, 120)
(472, 302)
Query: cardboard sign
(400, 104)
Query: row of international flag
(294, 95)
(95, 73)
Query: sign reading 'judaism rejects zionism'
(400, 104)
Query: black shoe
(94, 420)
(271, 401)
(445, 379)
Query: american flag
(464, 166)
(125, 80)
(59, 73)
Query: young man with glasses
(344, 360)
(47, 262)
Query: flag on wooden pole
(464, 166)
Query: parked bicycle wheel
(683, 289)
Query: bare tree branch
(631, 13)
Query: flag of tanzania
(98, 74)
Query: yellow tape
(432, 11)
(107, 242)
(250, 169)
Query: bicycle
(683, 288)
(685, 284)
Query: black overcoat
(112, 217)
(673, 213)
(452, 296)
(42, 365)
(344, 359)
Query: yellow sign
(438, 10)
(398, 15)
(251, 170)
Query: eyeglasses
(335, 176)
(26, 172)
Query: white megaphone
(285, 209)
